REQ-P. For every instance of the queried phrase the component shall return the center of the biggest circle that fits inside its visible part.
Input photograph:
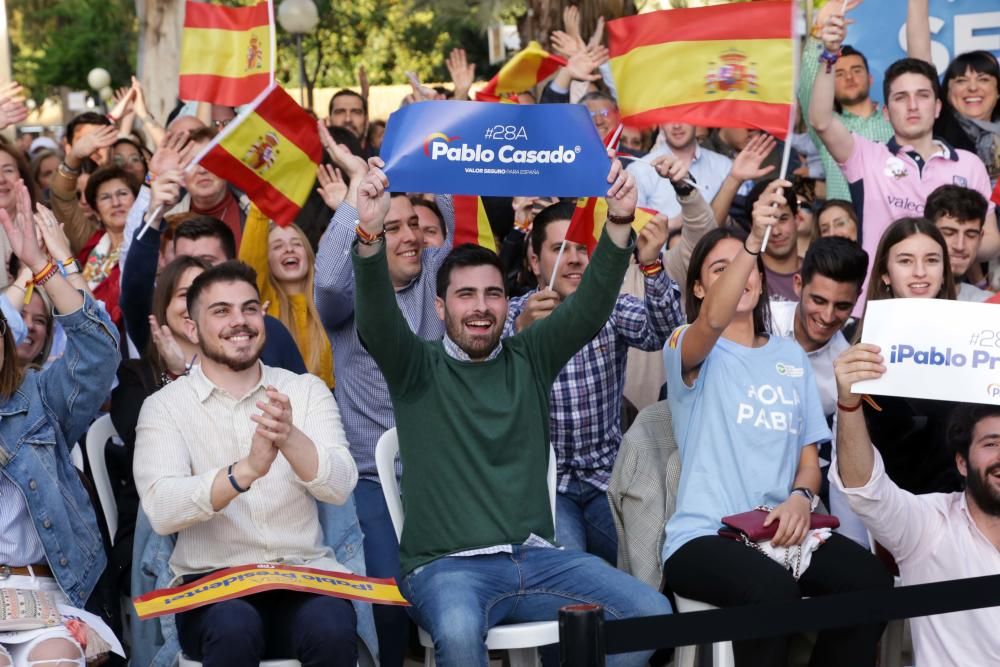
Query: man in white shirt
(960, 214)
(707, 169)
(935, 536)
(233, 458)
(828, 286)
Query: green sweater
(474, 436)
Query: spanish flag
(471, 223)
(588, 220)
(995, 197)
(522, 72)
(720, 66)
(270, 152)
(226, 53)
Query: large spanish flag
(226, 53)
(270, 152)
(522, 72)
(720, 66)
(471, 223)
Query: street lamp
(99, 79)
(299, 17)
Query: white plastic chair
(97, 437)
(520, 640)
(684, 656)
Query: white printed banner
(934, 348)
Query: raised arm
(855, 452)
(719, 304)
(828, 126)
(746, 167)
(918, 30)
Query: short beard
(236, 365)
(478, 347)
(982, 494)
(851, 101)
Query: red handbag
(749, 526)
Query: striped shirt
(362, 394)
(191, 430)
(19, 543)
(586, 400)
(875, 126)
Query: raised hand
(746, 166)
(12, 104)
(671, 167)
(598, 36)
(582, 65)
(571, 21)
(93, 141)
(622, 196)
(139, 100)
(170, 351)
(565, 44)
(373, 198)
(174, 153)
(834, 32)
(463, 73)
(539, 305)
(859, 362)
(21, 230)
(766, 212)
(651, 240)
(363, 82)
(165, 189)
(52, 234)
(124, 103)
(332, 188)
(831, 8)
(349, 163)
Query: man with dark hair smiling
(934, 536)
(472, 421)
(233, 458)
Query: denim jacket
(154, 642)
(39, 423)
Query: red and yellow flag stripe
(225, 53)
(589, 217)
(720, 66)
(522, 72)
(271, 152)
(471, 223)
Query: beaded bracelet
(830, 58)
(652, 269)
(45, 274)
(368, 239)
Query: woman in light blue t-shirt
(747, 415)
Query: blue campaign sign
(957, 26)
(492, 149)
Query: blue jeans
(382, 561)
(458, 599)
(584, 523)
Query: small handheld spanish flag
(522, 72)
(227, 53)
(270, 152)
(730, 66)
(471, 223)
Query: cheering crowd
(697, 368)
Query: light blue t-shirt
(740, 430)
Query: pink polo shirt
(890, 184)
(933, 538)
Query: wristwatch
(808, 495)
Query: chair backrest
(98, 435)
(385, 463)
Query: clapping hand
(170, 351)
(275, 421)
(21, 232)
(12, 104)
(52, 234)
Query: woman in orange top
(285, 265)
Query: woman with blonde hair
(285, 266)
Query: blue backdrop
(957, 26)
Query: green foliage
(388, 37)
(57, 42)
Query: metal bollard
(581, 636)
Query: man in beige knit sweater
(232, 458)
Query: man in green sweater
(472, 418)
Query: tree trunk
(544, 16)
(159, 53)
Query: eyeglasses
(107, 197)
(603, 113)
(121, 160)
(3, 326)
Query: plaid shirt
(586, 400)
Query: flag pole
(274, 39)
(786, 154)
(610, 141)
